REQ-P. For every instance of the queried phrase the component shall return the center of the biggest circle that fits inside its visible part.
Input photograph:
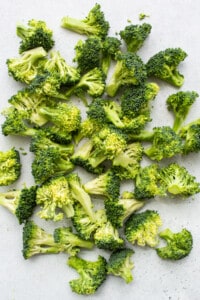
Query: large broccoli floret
(179, 244)
(164, 65)
(129, 70)
(180, 104)
(110, 49)
(142, 228)
(36, 34)
(20, 202)
(10, 166)
(93, 24)
(120, 264)
(135, 35)
(92, 274)
(191, 135)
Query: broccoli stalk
(10, 166)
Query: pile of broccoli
(109, 142)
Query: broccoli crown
(180, 104)
(87, 128)
(135, 35)
(142, 228)
(92, 274)
(93, 24)
(36, 34)
(120, 264)
(58, 135)
(191, 135)
(10, 166)
(177, 180)
(164, 65)
(129, 70)
(110, 49)
(178, 245)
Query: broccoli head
(110, 49)
(87, 128)
(191, 135)
(10, 166)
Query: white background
(175, 23)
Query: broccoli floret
(142, 16)
(142, 228)
(180, 104)
(106, 184)
(110, 49)
(37, 241)
(37, 34)
(179, 244)
(92, 274)
(10, 166)
(120, 264)
(129, 70)
(25, 67)
(71, 241)
(20, 203)
(93, 24)
(191, 135)
(177, 180)
(164, 64)
(87, 128)
(135, 35)
(57, 134)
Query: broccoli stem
(77, 25)
(9, 200)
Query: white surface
(175, 23)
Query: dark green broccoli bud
(37, 241)
(164, 64)
(10, 166)
(180, 104)
(87, 128)
(25, 67)
(178, 181)
(191, 135)
(54, 199)
(129, 70)
(179, 244)
(120, 264)
(71, 241)
(92, 274)
(57, 134)
(93, 24)
(142, 228)
(110, 49)
(37, 34)
(20, 203)
(135, 35)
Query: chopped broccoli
(20, 202)
(120, 264)
(191, 135)
(179, 244)
(142, 228)
(87, 128)
(142, 16)
(10, 166)
(92, 274)
(164, 64)
(110, 49)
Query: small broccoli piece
(71, 241)
(191, 135)
(87, 128)
(37, 241)
(180, 104)
(129, 70)
(110, 49)
(177, 180)
(25, 67)
(36, 34)
(93, 24)
(135, 35)
(10, 166)
(142, 16)
(106, 184)
(120, 264)
(142, 228)
(20, 202)
(179, 244)
(164, 64)
(57, 134)
(92, 274)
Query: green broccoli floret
(71, 241)
(36, 34)
(57, 134)
(25, 67)
(93, 24)
(87, 128)
(20, 203)
(142, 228)
(37, 241)
(10, 166)
(177, 180)
(120, 264)
(164, 64)
(110, 49)
(179, 244)
(180, 104)
(92, 274)
(135, 35)
(129, 70)
(191, 135)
